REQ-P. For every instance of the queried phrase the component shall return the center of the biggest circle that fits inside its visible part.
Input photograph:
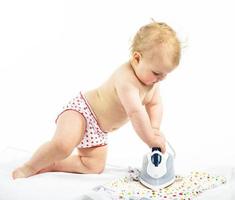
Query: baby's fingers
(161, 143)
(163, 148)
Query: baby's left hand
(159, 134)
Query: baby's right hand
(159, 141)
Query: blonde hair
(155, 34)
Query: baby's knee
(100, 167)
(97, 169)
(94, 166)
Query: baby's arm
(154, 109)
(130, 99)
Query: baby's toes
(18, 173)
(23, 172)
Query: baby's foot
(50, 168)
(23, 172)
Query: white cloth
(67, 186)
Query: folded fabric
(184, 187)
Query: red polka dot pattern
(93, 135)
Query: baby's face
(152, 69)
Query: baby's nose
(159, 79)
(162, 77)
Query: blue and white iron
(158, 169)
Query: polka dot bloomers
(93, 135)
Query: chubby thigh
(69, 133)
(70, 129)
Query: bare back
(105, 102)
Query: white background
(51, 49)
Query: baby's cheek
(153, 78)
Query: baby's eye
(156, 74)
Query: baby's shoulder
(125, 75)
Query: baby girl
(130, 94)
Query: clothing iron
(158, 169)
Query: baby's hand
(159, 141)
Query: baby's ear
(136, 56)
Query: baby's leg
(89, 160)
(69, 132)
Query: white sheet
(61, 186)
